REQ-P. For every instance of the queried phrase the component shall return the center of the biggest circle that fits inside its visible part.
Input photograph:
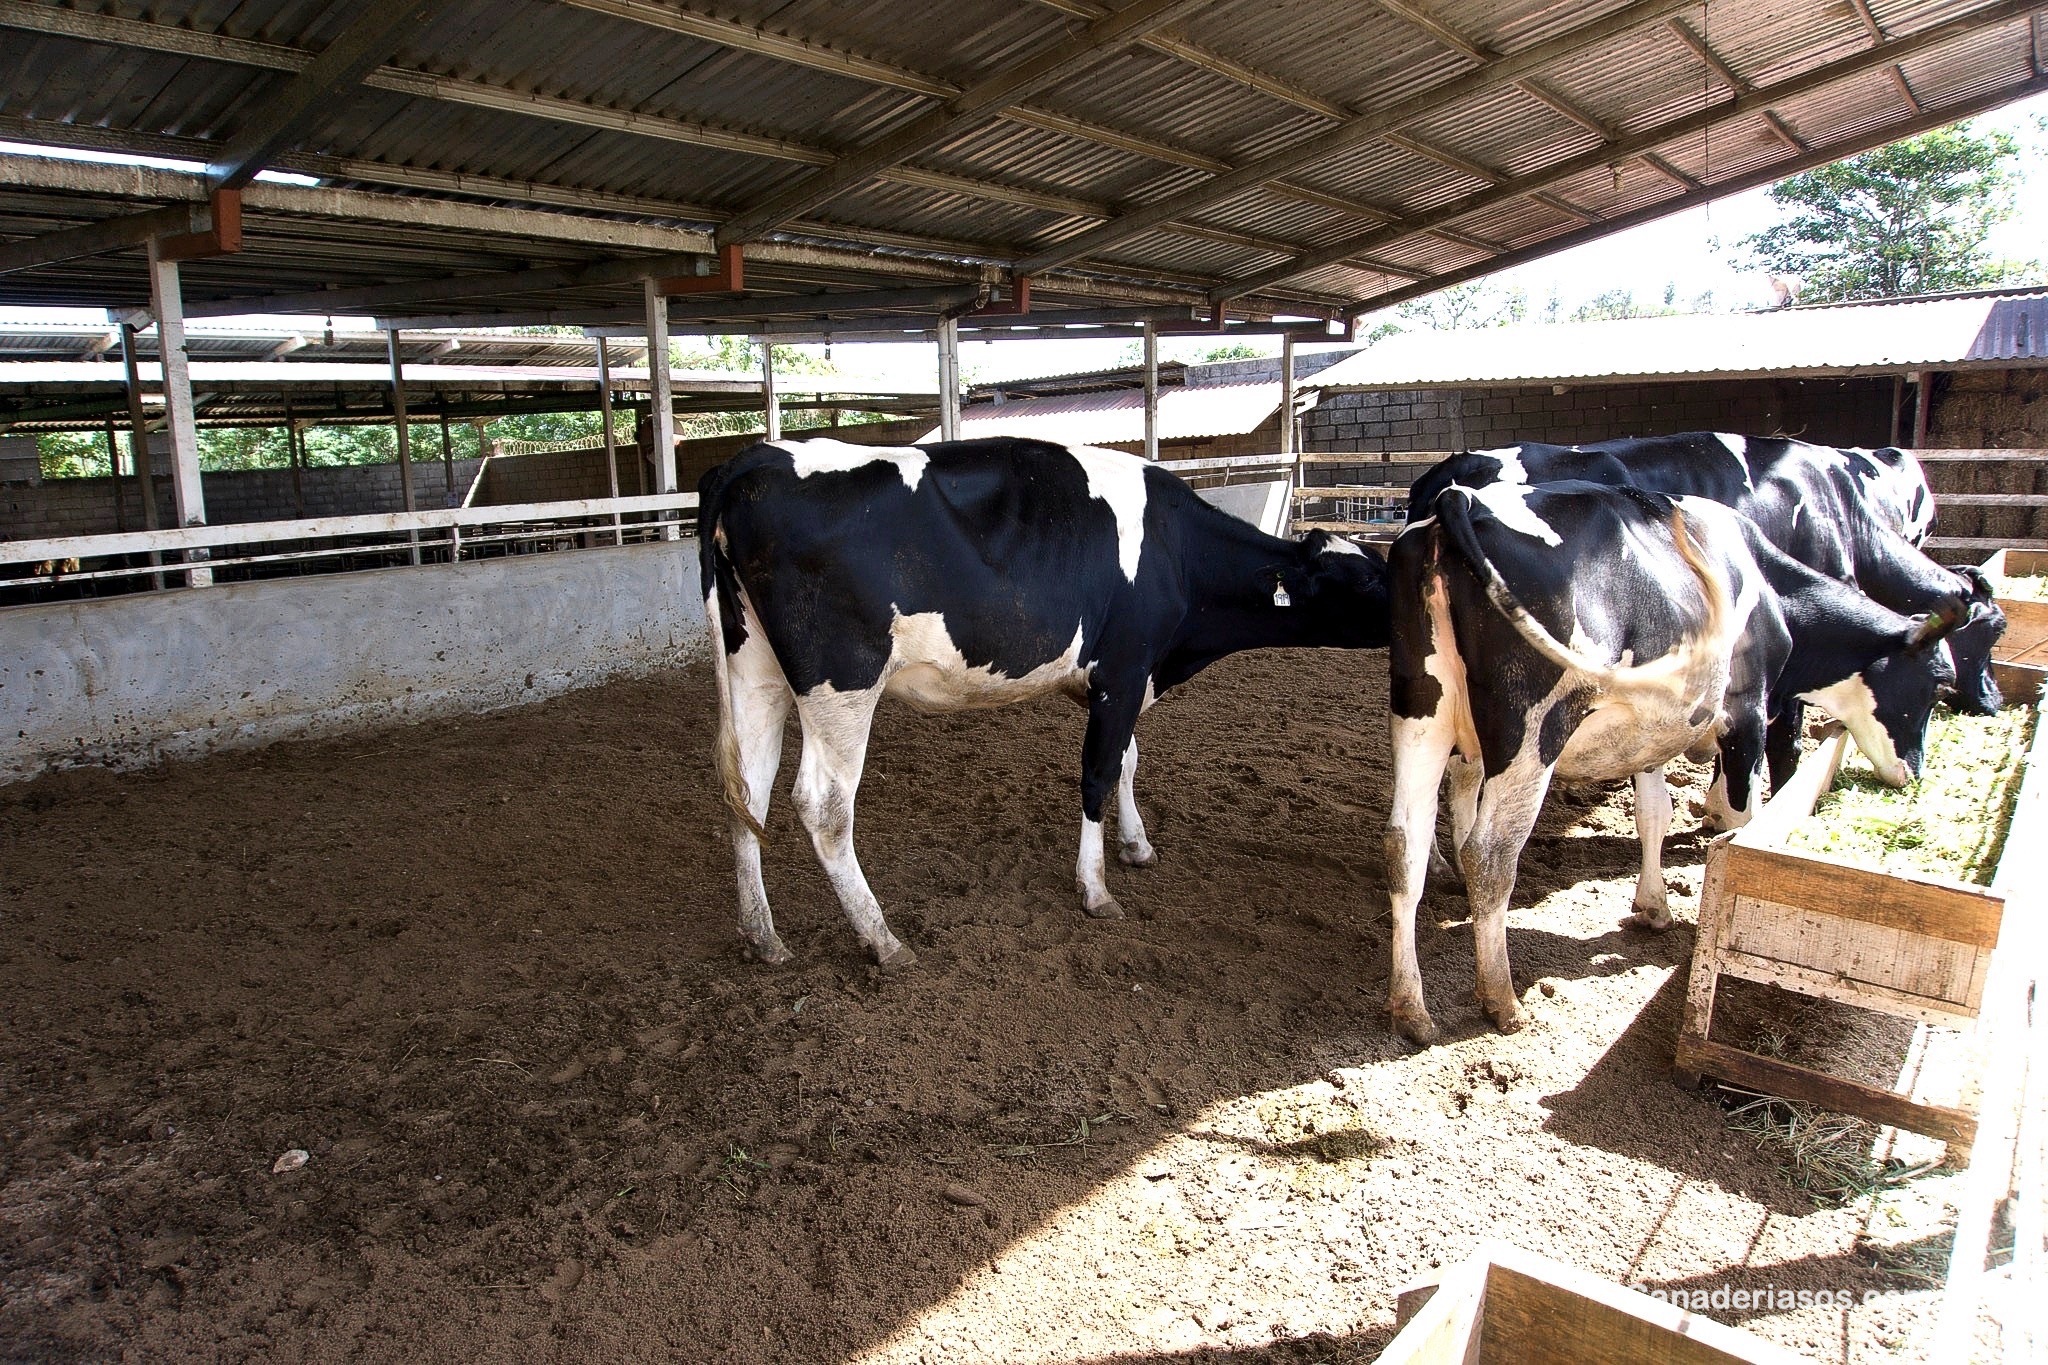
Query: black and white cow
(973, 574)
(1853, 514)
(1595, 633)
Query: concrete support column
(662, 417)
(447, 460)
(611, 440)
(402, 427)
(771, 405)
(168, 302)
(1290, 444)
(1151, 391)
(138, 444)
(949, 380)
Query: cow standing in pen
(973, 574)
(1853, 514)
(1596, 633)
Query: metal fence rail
(42, 561)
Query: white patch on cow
(824, 456)
(1512, 470)
(1509, 504)
(1851, 702)
(927, 670)
(1738, 446)
(1119, 480)
(1340, 546)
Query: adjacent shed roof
(1963, 332)
(1119, 417)
(75, 394)
(533, 158)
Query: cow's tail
(724, 614)
(1454, 513)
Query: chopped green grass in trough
(2024, 587)
(1949, 824)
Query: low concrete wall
(132, 679)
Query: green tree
(1477, 303)
(1910, 218)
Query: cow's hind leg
(1508, 805)
(757, 701)
(1133, 847)
(1421, 748)
(1653, 821)
(836, 728)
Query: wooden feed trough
(1915, 946)
(2019, 661)
(1511, 1306)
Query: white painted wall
(128, 680)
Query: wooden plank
(1771, 971)
(1795, 800)
(1902, 900)
(1769, 1076)
(1990, 500)
(1446, 1330)
(1368, 492)
(1983, 543)
(2022, 563)
(1385, 530)
(2016, 455)
(1541, 1312)
(1715, 904)
(2019, 682)
(1854, 952)
(2026, 627)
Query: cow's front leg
(1133, 847)
(1653, 821)
(1112, 717)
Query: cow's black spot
(1414, 698)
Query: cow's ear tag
(1280, 597)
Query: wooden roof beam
(1363, 128)
(1783, 133)
(289, 114)
(1876, 32)
(275, 123)
(969, 109)
(1754, 102)
(1709, 58)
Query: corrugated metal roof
(1928, 333)
(681, 116)
(1119, 417)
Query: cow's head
(1339, 589)
(1885, 705)
(1976, 691)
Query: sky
(1693, 250)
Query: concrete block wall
(1830, 411)
(558, 476)
(132, 679)
(84, 507)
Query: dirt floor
(486, 973)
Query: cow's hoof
(1510, 1018)
(898, 956)
(1108, 909)
(772, 953)
(1413, 1023)
(1137, 855)
(1657, 920)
